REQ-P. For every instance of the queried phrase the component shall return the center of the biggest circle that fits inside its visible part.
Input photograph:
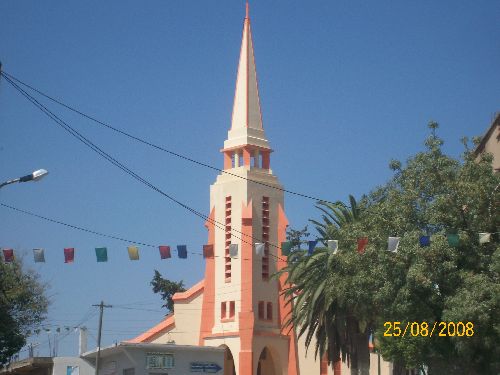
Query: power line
(106, 235)
(75, 226)
(155, 146)
(121, 166)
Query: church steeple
(246, 121)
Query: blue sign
(205, 367)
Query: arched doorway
(228, 361)
(266, 364)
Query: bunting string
(362, 242)
(101, 253)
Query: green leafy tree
(167, 289)
(296, 237)
(23, 306)
(339, 298)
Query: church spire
(246, 121)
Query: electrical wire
(121, 166)
(108, 235)
(158, 147)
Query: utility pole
(101, 310)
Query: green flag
(102, 254)
(286, 247)
(453, 239)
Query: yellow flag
(133, 252)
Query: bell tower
(242, 308)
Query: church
(238, 305)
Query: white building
(156, 359)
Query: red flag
(164, 252)
(208, 251)
(8, 255)
(362, 242)
(69, 255)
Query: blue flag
(425, 241)
(182, 251)
(312, 245)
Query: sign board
(159, 361)
(205, 367)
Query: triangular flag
(182, 251)
(453, 239)
(259, 248)
(362, 242)
(393, 243)
(312, 245)
(69, 255)
(286, 247)
(133, 252)
(484, 237)
(38, 255)
(425, 241)
(164, 252)
(333, 245)
(208, 251)
(101, 254)
(8, 255)
(233, 250)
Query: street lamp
(35, 176)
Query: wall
(61, 364)
(187, 323)
(135, 357)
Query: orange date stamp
(425, 329)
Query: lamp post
(35, 176)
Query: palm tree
(317, 310)
(335, 215)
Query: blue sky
(345, 86)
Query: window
(240, 158)
(227, 258)
(129, 371)
(232, 309)
(269, 311)
(261, 310)
(265, 237)
(255, 159)
(159, 360)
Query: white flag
(484, 238)
(39, 256)
(259, 249)
(393, 243)
(333, 245)
(233, 250)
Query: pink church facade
(238, 305)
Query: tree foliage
(297, 236)
(23, 306)
(336, 215)
(341, 299)
(167, 289)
